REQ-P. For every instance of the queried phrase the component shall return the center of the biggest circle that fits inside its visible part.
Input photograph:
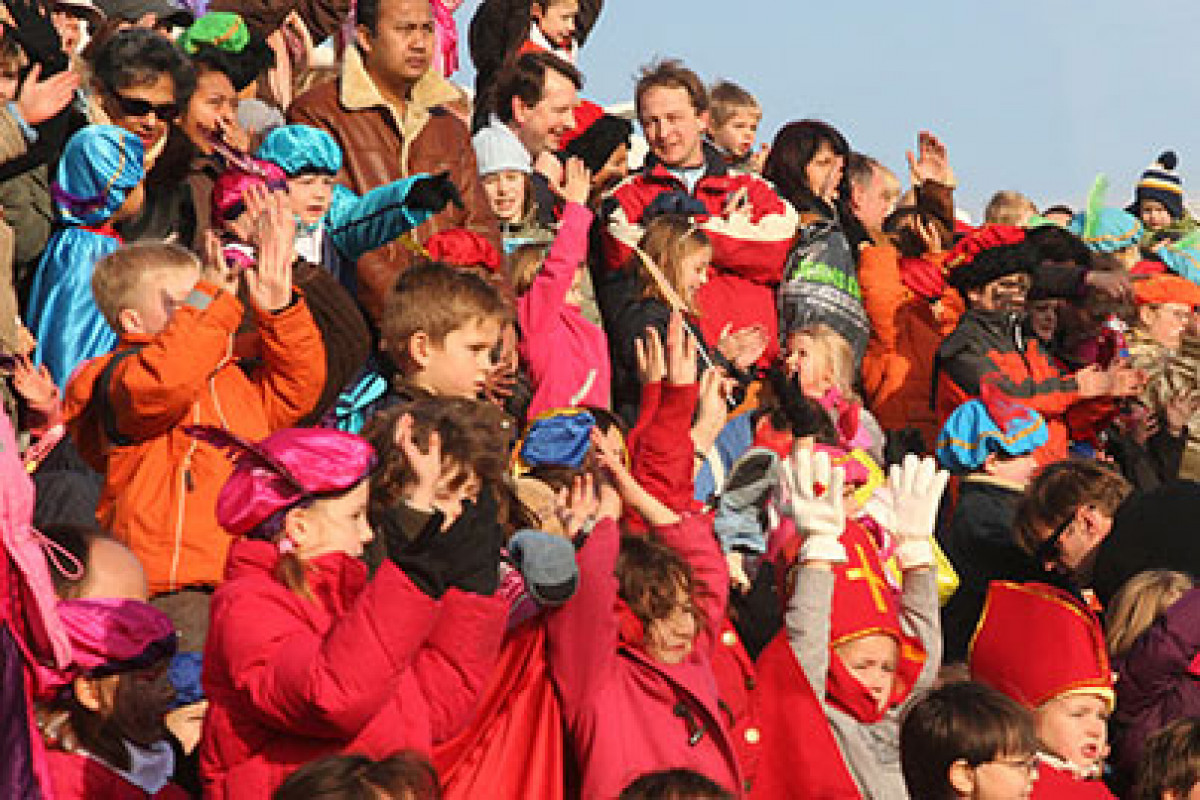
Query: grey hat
(547, 563)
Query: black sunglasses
(137, 107)
(1048, 549)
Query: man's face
(540, 127)
(1003, 294)
(672, 126)
(400, 50)
(874, 200)
(1165, 322)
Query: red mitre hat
(1035, 642)
(864, 604)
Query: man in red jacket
(751, 227)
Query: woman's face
(145, 110)
(823, 172)
(212, 110)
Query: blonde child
(308, 654)
(1044, 648)
(734, 116)
(566, 355)
(823, 362)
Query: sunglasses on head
(137, 107)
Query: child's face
(310, 196)
(1074, 727)
(693, 273)
(1154, 215)
(155, 300)
(458, 366)
(335, 524)
(505, 192)
(9, 84)
(70, 29)
(669, 639)
(739, 131)
(802, 361)
(1043, 318)
(872, 660)
(556, 18)
(135, 703)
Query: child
(990, 447)
(679, 257)
(505, 173)
(335, 226)
(308, 654)
(175, 366)
(553, 28)
(1158, 197)
(637, 685)
(98, 184)
(1009, 208)
(107, 736)
(967, 741)
(439, 329)
(1108, 231)
(1043, 648)
(867, 653)
(674, 784)
(1170, 769)
(403, 776)
(567, 356)
(1157, 681)
(734, 115)
(823, 361)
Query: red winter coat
(627, 713)
(370, 665)
(748, 251)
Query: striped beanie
(1161, 182)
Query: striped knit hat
(1161, 182)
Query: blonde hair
(524, 264)
(1009, 208)
(120, 274)
(833, 352)
(1141, 601)
(669, 240)
(727, 99)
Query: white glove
(819, 519)
(916, 487)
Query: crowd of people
(363, 436)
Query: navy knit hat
(1161, 182)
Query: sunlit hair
(436, 299)
(669, 240)
(670, 74)
(406, 775)
(832, 352)
(727, 100)
(1009, 208)
(524, 264)
(1141, 601)
(120, 274)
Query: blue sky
(1033, 96)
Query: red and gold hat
(1035, 642)
(864, 603)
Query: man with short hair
(874, 191)
(535, 101)
(387, 111)
(751, 227)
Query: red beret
(1166, 288)
(460, 247)
(983, 238)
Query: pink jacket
(567, 356)
(370, 665)
(628, 714)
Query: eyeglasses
(1049, 548)
(137, 107)
(1027, 765)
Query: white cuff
(823, 547)
(915, 553)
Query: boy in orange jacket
(175, 366)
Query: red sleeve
(331, 685)
(581, 636)
(663, 453)
(294, 356)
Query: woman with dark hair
(807, 164)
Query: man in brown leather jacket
(387, 111)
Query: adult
(749, 224)
(534, 102)
(387, 112)
(874, 191)
(153, 14)
(988, 348)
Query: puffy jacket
(1159, 679)
(991, 345)
(906, 330)
(381, 144)
(748, 251)
(627, 713)
(160, 488)
(369, 665)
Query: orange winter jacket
(906, 329)
(160, 484)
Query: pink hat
(230, 186)
(108, 636)
(288, 467)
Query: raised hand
(33, 383)
(576, 182)
(680, 352)
(916, 486)
(39, 100)
(433, 193)
(269, 282)
(931, 163)
(651, 360)
(34, 30)
(744, 346)
(577, 506)
(426, 465)
(812, 491)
